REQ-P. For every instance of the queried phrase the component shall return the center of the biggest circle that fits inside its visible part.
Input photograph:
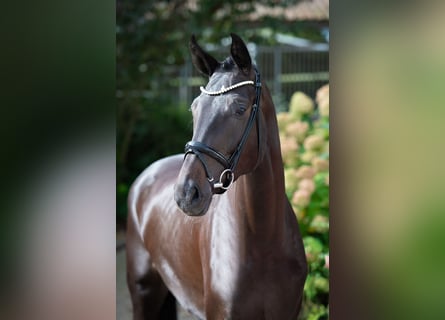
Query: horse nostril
(190, 198)
(194, 194)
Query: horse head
(223, 146)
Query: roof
(303, 10)
(306, 10)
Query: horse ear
(240, 54)
(203, 61)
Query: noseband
(229, 164)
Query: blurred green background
(387, 70)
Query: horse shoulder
(144, 192)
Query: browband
(224, 90)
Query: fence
(285, 69)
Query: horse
(212, 228)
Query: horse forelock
(228, 64)
(226, 75)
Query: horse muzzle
(191, 199)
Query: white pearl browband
(224, 90)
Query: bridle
(198, 148)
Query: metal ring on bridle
(220, 184)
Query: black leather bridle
(198, 148)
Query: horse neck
(261, 193)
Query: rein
(229, 164)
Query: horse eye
(240, 111)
